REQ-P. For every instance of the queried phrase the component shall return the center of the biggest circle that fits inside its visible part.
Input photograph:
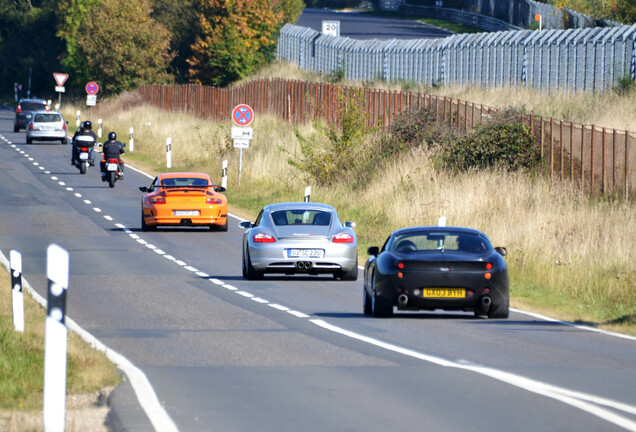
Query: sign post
(243, 115)
(60, 79)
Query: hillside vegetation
(570, 255)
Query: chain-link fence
(593, 59)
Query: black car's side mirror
(245, 224)
(501, 250)
(373, 250)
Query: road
(295, 353)
(356, 26)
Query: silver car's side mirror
(245, 224)
(350, 224)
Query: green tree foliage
(617, 10)
(180, 17)
(114, 42)
(236, 37)
(28, 47)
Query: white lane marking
(245, 294)
(70, 189)
(203, 275)
(47, 172)
(159, 251)
(554, 392)
(170, 257)
(260, 300)
(142, 241)
(42, 168)
(88, 202)
(30, 159)
(230, 287)
(132, 235)
(61, 183)
(97, 209)
(108, 218)
(279, 307)
(53, 178)
(217, 281)
(35, 164)
(151, 246)
(298, 314)
(571, 324)
(192, 269)
(77, 194)
(179, 262)
(143, 389)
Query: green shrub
(409, 130)
(501, 142)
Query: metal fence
(597, 159)
(594, 59)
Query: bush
(409, 130)
(501, 142)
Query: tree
(236, 37)
(114, 42)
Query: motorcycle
(111, 167)
(84, 146)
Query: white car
(47, 126)
(299, 238)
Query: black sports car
(436, 267)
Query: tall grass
(569, 255)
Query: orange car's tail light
(158, 200)
(213, 201)
(263, 238)
(343, 238)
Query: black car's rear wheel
(500, 310)
(366, 301)
(380, 307)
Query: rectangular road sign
(91, 100)
(60, 89)
(242, 133)
(241, 143)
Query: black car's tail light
(487, 275)
(400, 265)
(488, 266)
(470, 293)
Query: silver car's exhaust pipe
(303, 265)
(403, 299)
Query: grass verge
(90, 375)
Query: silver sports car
(299, 237)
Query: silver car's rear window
(47, 118)
(301, 217)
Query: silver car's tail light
(343, 238)
(263, 238)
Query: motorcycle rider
(112, 149)
(84, 131)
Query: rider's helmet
(112, 136)
(88, 125)
(82, 125)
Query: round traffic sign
(92, 88)
(242, 115)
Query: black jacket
(88, 133)
(112, 149)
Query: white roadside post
(307, 193)
(57, 271)
(77, 122)
(131, 143)
(169, 152)
(99, 128)
(17, 296)
(224, 175)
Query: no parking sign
(242, 115)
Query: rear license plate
(186, 212)
(304, 253)
(83, 156)
(111, 167)
(443, 293)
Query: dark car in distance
(436, 267)
(24, 112)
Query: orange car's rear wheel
(222, 228)
(144, 226)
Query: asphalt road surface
(357, 26)
(294, 353)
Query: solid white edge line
(143, 389)
(554, 392)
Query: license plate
(83, 156)
(186, 212)
(304, 253)
(111, 167)
(443, 293)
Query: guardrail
(471, 19)
(592, 59)
(598, 160)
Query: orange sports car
(178, 199)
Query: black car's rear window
(33, 106)
(423, 241)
